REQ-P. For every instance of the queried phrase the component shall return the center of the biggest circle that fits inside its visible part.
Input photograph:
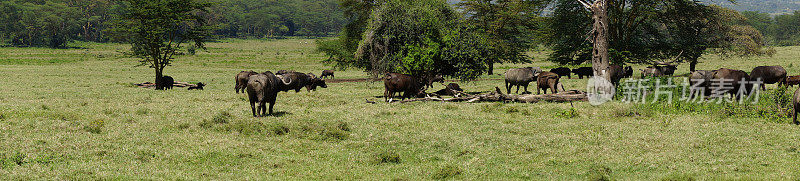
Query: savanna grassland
(73, 114)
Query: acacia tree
(156, 30)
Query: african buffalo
(616, 73)
(281, 72)
(449, 89)
(730, 77)
(667, 70)
(520, 77)
(431, 80)
(652, 72)
(263, 88)
(793, 80)
(166, 83)
(702, 79)
(326, 73)
(409, 85)
(628, 72)
(562, 71)
(769, 75)
(796, 104)
(300, 80)
(583, 71)
(547, 80)
(241, 80)
(199, 86)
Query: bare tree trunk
(159, 75)
(693, 64)
(491, 68)
(600, 39)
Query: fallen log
(498, 96)
(176, 84)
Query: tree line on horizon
(55, 23)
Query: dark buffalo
(616, 73)
(702, 79)
(652, 72)
(769, 75)
(326, 73)
(583, 71)
(450, 89)
(793, 80)
(437, 78)
(628, 72)
(547, 80)
(263, 88)
(199, 86)
(300, 80)
(796, 104)
(167, 82)
(667, 70)
(410, 86)
(730, 77)
(520, 77)
(562, 71)
(241, 80)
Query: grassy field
(72, 114)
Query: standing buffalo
(730, 77)
(793, 80)
(616, 73)
(300, 80)
(437, 78)
(769, 75)
(652, 72)
(702, 79)
(521, 77)
(326, 73)
(628, 72)
(263, 88)
(562, 71)
(667, 70)
(166, 83)
(410, 86)
(583, 71)
(281, 72)
(796, 104)
(241, 80)
(547, 80)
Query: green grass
(80, 119)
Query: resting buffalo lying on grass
(410, 86)
(241, 80)
(769, 75)
(263, 88)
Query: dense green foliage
(157, 29)
(422, 38)
(645, 31)
(781, 30)
(54, 23)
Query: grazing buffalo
(547, 80)
(583, 71)
(166, 83)
(562, 71)
(667, 70)
(628, 72)
(409, 85)
(326, 73)
(241, 80)
(652, 72)
(769, 75)
(300, 80)
(263, 88)
(199, 86)
(521, 77)
(730, 77)
(793, 80)
(796, 104)
(702, 79)
(437, 78)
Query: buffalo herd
(263, 87)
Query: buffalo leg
(795, 117)
(253, 108)
(508, 88)
(526, 89)
(270, 107)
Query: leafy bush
(446, 172)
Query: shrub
(279, 129)
(387, 157)
(446, 172)
(335, 134)
(95, 126)
(222, 117)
